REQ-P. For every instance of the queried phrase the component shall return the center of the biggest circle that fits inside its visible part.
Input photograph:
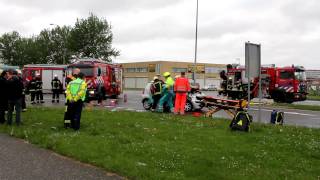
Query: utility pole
(196, 46)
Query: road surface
(20, 160)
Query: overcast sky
(289, 30)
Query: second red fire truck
(283, 84)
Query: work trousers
(156, 98)
(23, 102)
(14, 105)
(55, 95)
(73, 113)
(100, 94)
(39, 96)
(33, 96)
(180, 102)
(167, 97)
(3, 109)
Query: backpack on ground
(277, 117)
(241, 121)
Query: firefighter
(39, 93)
(156, 90)
(3, 95)
(76, 94)
(56, 87)
(167, 92)
(23, 99)
(32, 88)
(181, 88)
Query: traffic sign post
(253, 69)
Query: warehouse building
(138, 74)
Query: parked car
(210, 87)
(191, 104)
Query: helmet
(156, 77)
(19, 71)
(166, 74)
(55, 75)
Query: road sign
(253, 59)
(253, 69)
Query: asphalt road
(292, 116)
(20, 160)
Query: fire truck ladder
(231, 107)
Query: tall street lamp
(63, 44)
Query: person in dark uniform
(3, 96)
(23, 99)
(15, 88)
(39, 94)
(32, 88)
(56, 87)
(156, 90)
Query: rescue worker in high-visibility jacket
(56, 87)
(156, 90)
(75, 95)
(181, 88)
(167, 93)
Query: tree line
(90, 37)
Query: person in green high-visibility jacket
(167, 92)
(75, 95)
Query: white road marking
(294, 113)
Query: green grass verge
(312, 97)
(298, 106)
(159, 146)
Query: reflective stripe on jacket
(157, 86)
(76, 90)
(182, 85)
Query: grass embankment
(313, 97)
(298, 106)
(157, 146)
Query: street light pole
(196, 46)
(64, 47)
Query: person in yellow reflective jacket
(75, 95)
(167, 93)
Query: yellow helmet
(166, 74)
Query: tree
(92, 38)
(8, 47)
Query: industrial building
(138, 74)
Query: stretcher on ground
(214, 105)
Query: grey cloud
(91, 5)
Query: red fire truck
(97, 71)
(283, 84)
(46, 72)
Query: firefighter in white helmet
(56, 87)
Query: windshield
(87, 71)
(300, 75)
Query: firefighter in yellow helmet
(167, 92)
(75, 94)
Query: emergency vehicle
(97, 71)
(46, 72)
(6, 67)
(283, 84)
